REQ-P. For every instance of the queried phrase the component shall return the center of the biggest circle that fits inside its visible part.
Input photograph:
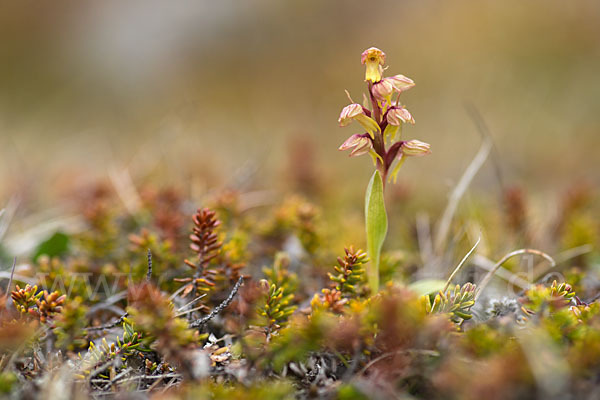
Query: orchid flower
(382, 122)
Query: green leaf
(427, 286)
(56, 245)
(376, 224)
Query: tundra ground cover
(170, 298)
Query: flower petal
(356, 112)
(373, 58)
(399, 114)
(369, 124)
(352, 141)
(415, 148)
(383, 90)
(359, 143)
(350, 112)
(401, 83)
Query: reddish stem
(378, 141)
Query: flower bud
(415, 148)
(349, 113)
(373, 58)
(356, 112)
(359, 143)
(400, 83)
(397, 115)
(264, 285)
(568, 287)
(383, 90)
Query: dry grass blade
(488, 265)
(460, 264)
(424, 352)
(191, 302)
(424, 237)
(109, 326)
(484, 131)
(458, 192)
(186, 312)
(486, 280)
(126, 190)
(25, 242)
(177, 292)
(12, 274)
(562, 257)
(18, 278)
(465, 180)
(6, 215)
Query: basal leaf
(427, 286)
(376, 224)
(56, 245)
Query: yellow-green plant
(350, 271)
(276, 307)
(280, 275)
(70, 325)
(554, 297)
(346, 283)
(455, 302)
(25, 299)
(98, 356)
(42, 305)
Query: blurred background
(213, 93)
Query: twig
(140, 377)
(149, 273)
(593, 299)
(102, 368)
(487, 264)
(12, 274)
(18, 278)
(119, 376)
(109, 326)
(169, 385)
(460, 264)
(181, 289)
(490, 275)
(191, 302)
(179, 314)
(424, 352)
(459, 191)
(108, 304)
(155, 384)
(201, 322)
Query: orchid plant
(382, 116)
